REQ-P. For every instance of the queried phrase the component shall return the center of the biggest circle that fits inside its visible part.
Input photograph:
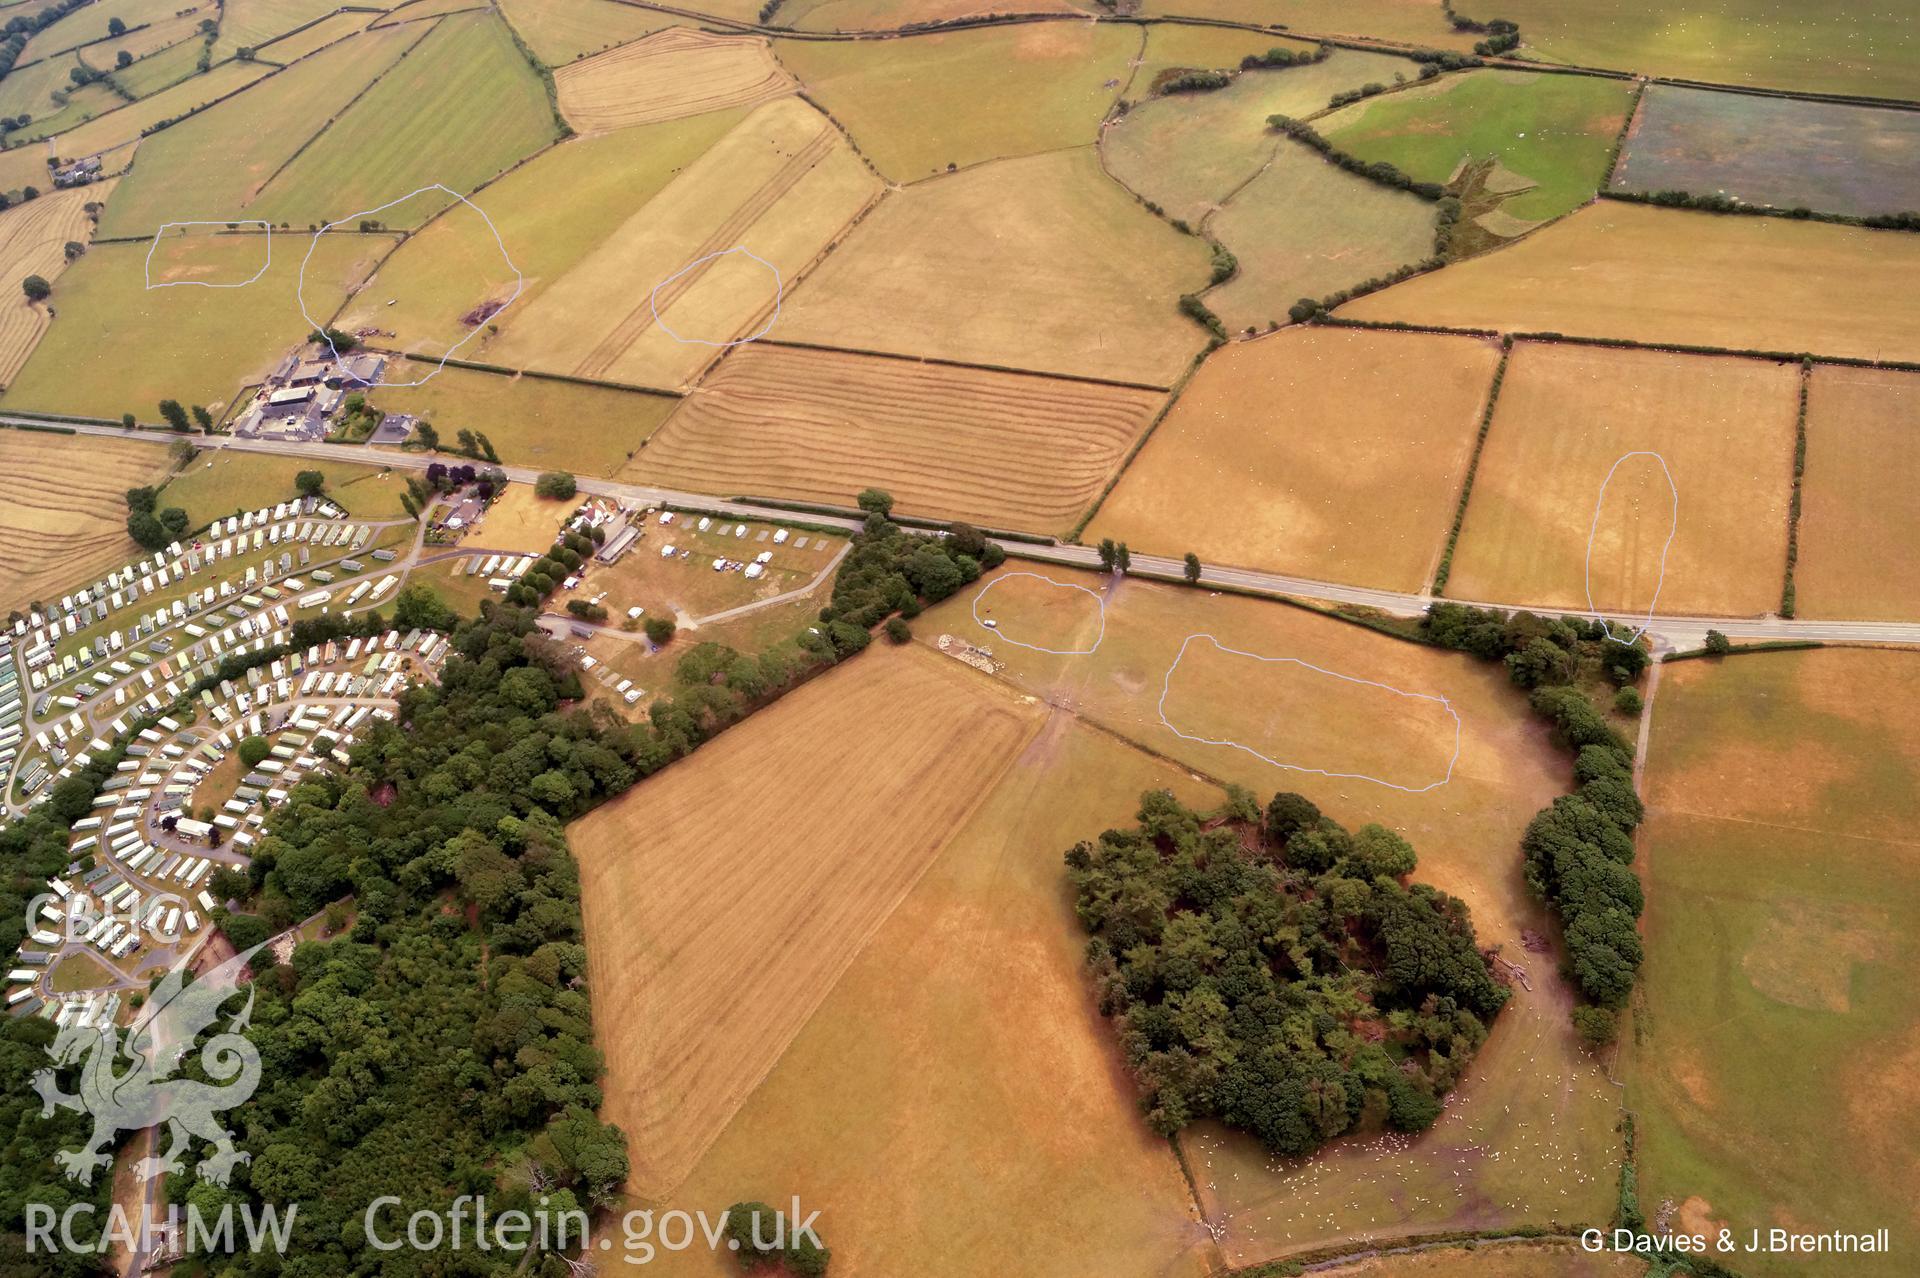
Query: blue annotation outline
(146, 267)
(300, 288)
(1034, 647)
(1593, 530)
(779, 294)
(1166, 686)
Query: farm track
(637, 321)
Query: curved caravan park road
(1667, 632)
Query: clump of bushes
(1197, 82)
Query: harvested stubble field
(1566, 416)
(1006, 450)
(33, 238)
(558, 31)
(1335, 454)
(1785, 152)
(1416, 22)
(922, 104)
(1528, 1137)
(462, 106)
(1554, 132)
(531, 421)
(227, 482)
(451, 269)
(667, 76)
(64, 520)
(1776, 1043)
(1041, 263)
(1307, 228)
(1670, 275)
(1850, 46)
(117, 346)
(719, 916)
(965, 1036)
(1187, 152)
(214, 164)
(1859, 523)
(782, 186)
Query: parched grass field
(1335, 454)
(520, 521)
(1554, 131)
(1776, 1044)
(298, 44)
(1041, 263)
(215, 485)
(64, 521)
(118, 347)
(1853, 46)
(1307, 228)
(667, 76)
(688, 589)
(965, 1035)
(1528, 1138)
(1187, 152)
(1178, 47)
(30, 88)
(460, 108)
(531, 421)
(122, 126)
(165, 65)
(89, 23)
(885, 15)
(1566, 416)
(1422, 23)
(719, 914)
(1785, 152)
(1521, 1259)
(1670, 275)
(420, 10)
(452, 266)
(1006, 450)
(1859, 524)
(781, 186)
(213, 165)
(921, 104)
(252, 23)
(33, 239)
(558, 31)
(83, 104)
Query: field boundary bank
(259, 49)
(1443, 566)
(1628, 127)
(1787, 596)
(1727, 206)
(941, 362)
(501, 370)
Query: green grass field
(917, 105)
(1306, 228)
(1852, 46)
(161, 70)
(1173, 47)
(558, 31)
(215, 485)
(212, 165)
(461, 107)
(1187, 152)
(252, 23)
(590, 430)
(118, 347)
(1776, 1043)
(89, 23)
(1554, 130)
(454, 264)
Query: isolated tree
(36, 288)
(1123, 558)
(310, 483)
(1718, 644)
(1109, 553)
(175, 415)
(203, 419)
(898, 630)
(875, 501)
(127, 420)
(1192, 569)
(123, 59)
(418, 606)
(1628, 701)
(659, 629)
(116, 27)
(429, 437)
(556, 485)
(252, 750)
(72, 249)
(486, 446)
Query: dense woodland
(1276, 972)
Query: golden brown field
(721, 905)
(520, 521)
(1528, 1137)
(1497, 1260)
(1335, 454)
(781, 186)
(665, 76)
(1567, 417)
(1671, 275)
(1007, 450)
(63, 523)
(965, 1036)
(1041, 263)
(1859, 525)
(33, 238)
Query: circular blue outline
(1593, 530)
(1034, 647)
(779, 295)
(300, 286)
(1166, 687)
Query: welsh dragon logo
(126, 1083)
